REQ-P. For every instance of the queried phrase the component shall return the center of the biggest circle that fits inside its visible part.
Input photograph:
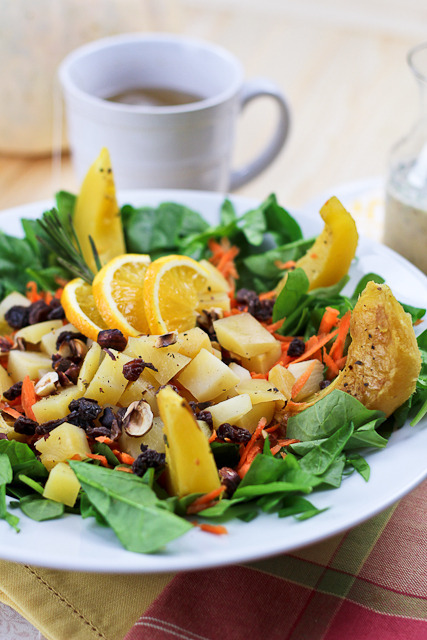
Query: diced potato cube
(230, 410)
(217, 282)
(240, 371)
(27, 363)
(62, 444)
(263, 362)
(56, 406)
(90, 366)
(48, 341)
(190, 463)
(141, 389)
(282, 379)
(260, 390)
(154, 439)
(312, 384)
(167, 360)
(62, 485)
(190, 342)
(244, 335)
(225, 395)
(250, 420)
(35, 332)
(108, 383)
(206, 376)
(217, 353)
(5, 380)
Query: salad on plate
(160, 373)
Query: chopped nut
(167, 339)
(47, 384)
(138, 418)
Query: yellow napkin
(64, 605)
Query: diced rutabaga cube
(153, 439)
(90, 365)
(141, 389)
(62, 485)
(262, 410)
(244, 335)
(217, 282)
(206, 376)
(35, 332)
(56, 406)
(190, 342)
(167, 360)
(282, 379)
(263, 362)
(260, 390)
(108, 383)
(312, 385)
(230, 410)
(240, 371)
(48, 341)
(27, 363)
(62, 444)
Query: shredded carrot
(126, 469)
(340, 362)
(28, 397)
(331, 364)
(259, 376)
(213, 436)
(267, 295)
(102, 459)
(123, 457)
(320, 342)
(274, 326)
(255, 450)
(218, 529)
(289, 264)
(261, 424)
(104, 440)
(208, 497)
(337, 348)
(10, 412)
(31, 292)
(197, 508)
(329, 320)
(301, 381)
(417, 322)
(286, 441)
(285, 339)
(273, 428)
(275, 449)
(291, 404)
(76, 456)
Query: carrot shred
(329, 320)
(301, 381)
(217, 529)
(337, 348)
(213, 436)
(102, 459)
(267, 295)
(261, 424)
(192, 509)
(289, 264)
(319, 343)
(259, 376)
(330, 363)
(28, 397)
(31, 292)
(125, 469)
(76, 456)
(286, 441)
(208, 497)
(273, 428)
(123, 457)
(104, 440)
(10, 411)
(275, 449)
(271, 328)
(340, 362)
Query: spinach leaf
(319, 459)
(139, 519)
(22, 459)
(292, 295)
(359, 463)
(40, 509)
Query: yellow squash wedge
(97, 213)
(190, 463)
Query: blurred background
(341, 63)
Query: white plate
(77, 544)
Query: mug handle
(253, 89)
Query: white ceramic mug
(184, 146)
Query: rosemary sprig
(60, 237)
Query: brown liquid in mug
(154, 97)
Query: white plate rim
(91, 548)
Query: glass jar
(406, 192)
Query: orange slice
(172, 288)
(118, 291)
(80, 308)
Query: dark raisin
(25, 425)
(230, 479)
(246, 296)
(46, 427)
(133, 369)
(72, 373)
(196, 407)
(147, 459)
(112, 422)
(13, 392)
(56, 313)
(112, 339)
(38, 312)
(86, 408)
(264, 310)
(261, 309)
(17, 317)
(66, 336)
(296, 348)
(3, 436)
(5, 345)
(233, 433)
(324, 383)
(206, 416)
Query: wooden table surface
(342, 66)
